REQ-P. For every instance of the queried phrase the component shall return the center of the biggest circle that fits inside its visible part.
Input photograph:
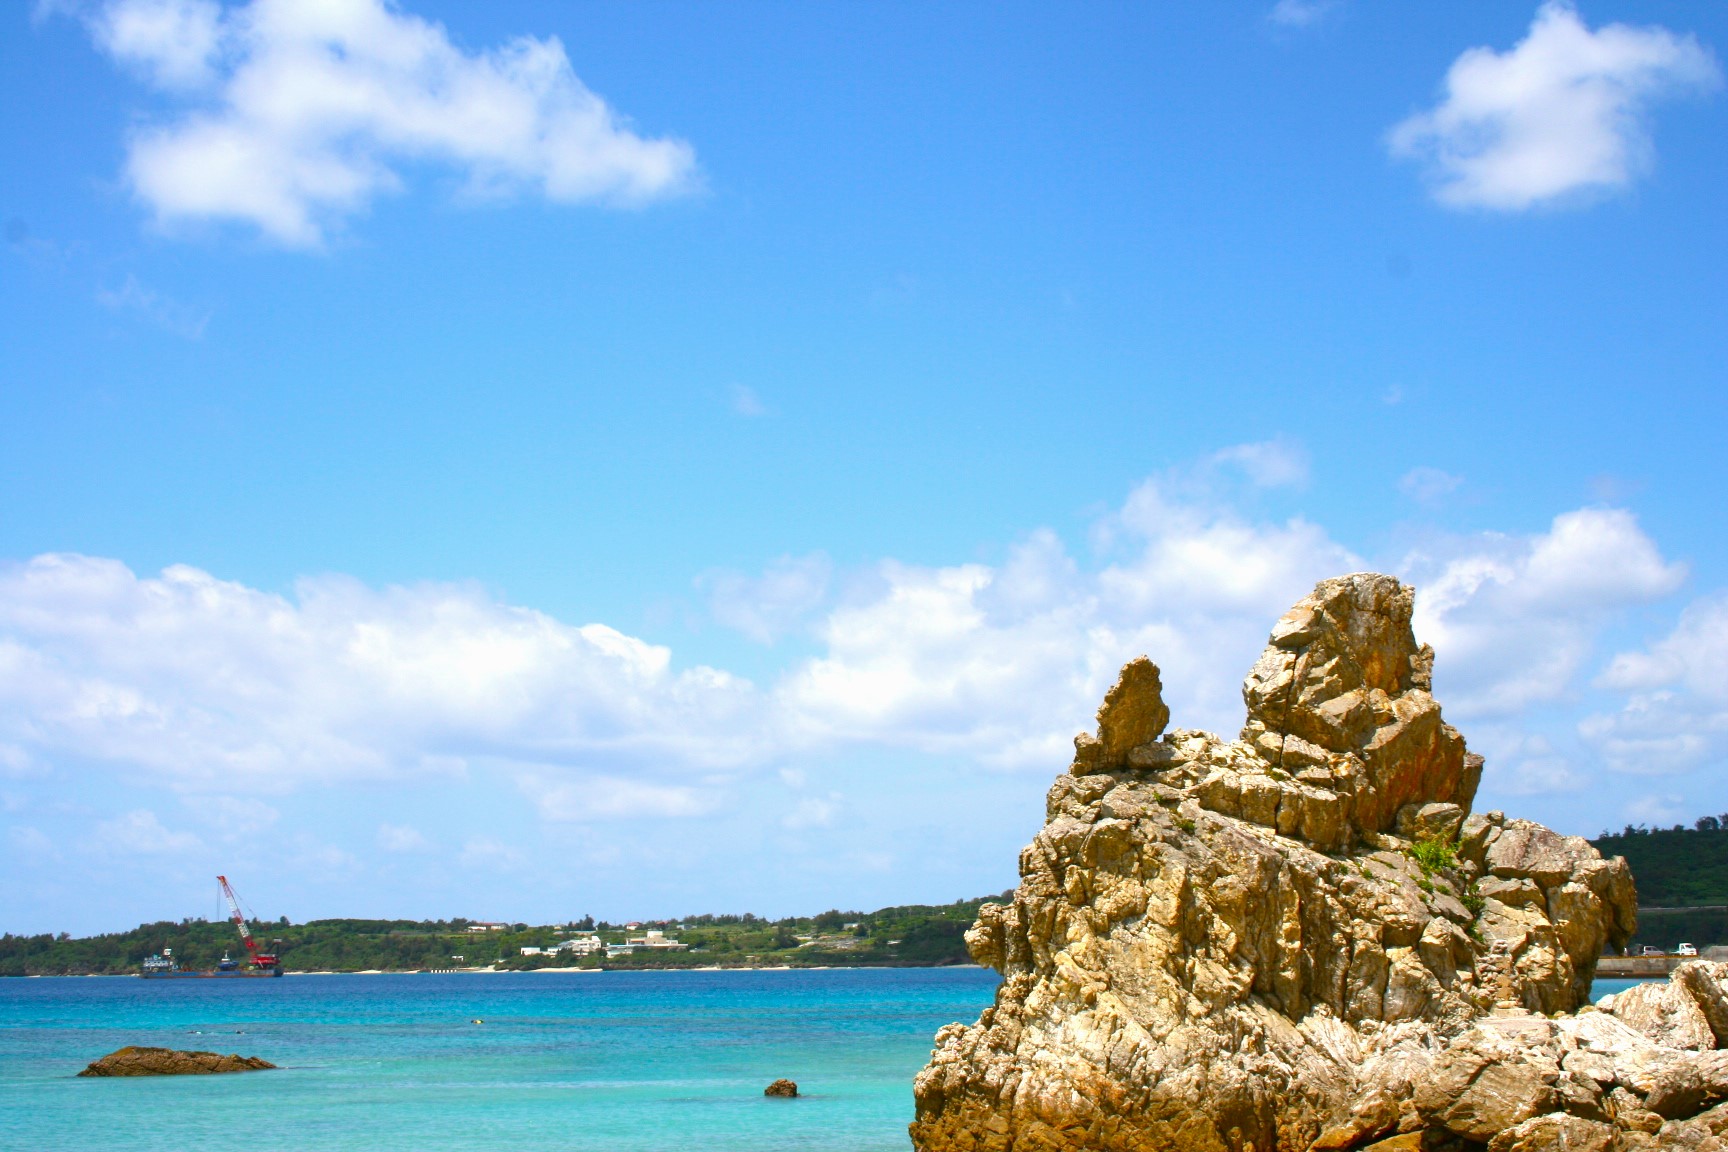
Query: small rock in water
(136, 1061)
(781, 1088)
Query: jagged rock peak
(1133, 714)
(1341, 699)
(1303, 939)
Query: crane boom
(259, 959)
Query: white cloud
(1427, 485)
(1693, 656)
(1004, 664)
(296, 115)
(1563, 112)
(1514, 619)
(164, 312)
(1675, 715)
(215, 686)
(210, 687)
(172, 42)
(1301, 13)
(766, 607)
(139, 832)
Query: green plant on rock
(1433, 854)
(1472, 900)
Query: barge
(163, 966)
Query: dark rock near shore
(136, 1061)
(781, 1088)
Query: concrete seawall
(1633, 967)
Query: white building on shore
(653, 939)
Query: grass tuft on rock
(1434, 855)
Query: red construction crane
(260, 960)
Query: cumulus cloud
(173, 43)
(1675, 714)
(1563, 112)
(1003, 664)
(1693, 656)
(1514, 619)
(292, 116)
(211, 685)
(216, 689)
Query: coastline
(533, 971)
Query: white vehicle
(1686, 950)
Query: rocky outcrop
(781, 1087)
(1303, 938)
(135, 1061)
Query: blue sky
(524, 460)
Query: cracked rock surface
(1304, 939)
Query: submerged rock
(1302, 938)
(136, 1061)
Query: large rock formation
(134, 1060)
(1303, 939)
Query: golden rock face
(1299, 938)
(1133, 714)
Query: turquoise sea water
(622, 1061)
